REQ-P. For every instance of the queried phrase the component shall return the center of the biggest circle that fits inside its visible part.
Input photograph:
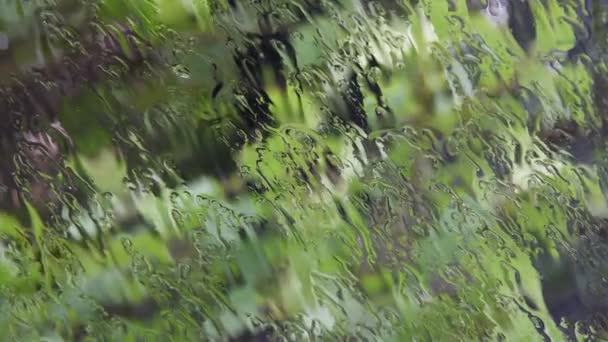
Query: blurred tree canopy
(254, 170)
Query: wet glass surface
(263, 170)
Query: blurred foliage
(304, 170)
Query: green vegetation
(302, 170)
